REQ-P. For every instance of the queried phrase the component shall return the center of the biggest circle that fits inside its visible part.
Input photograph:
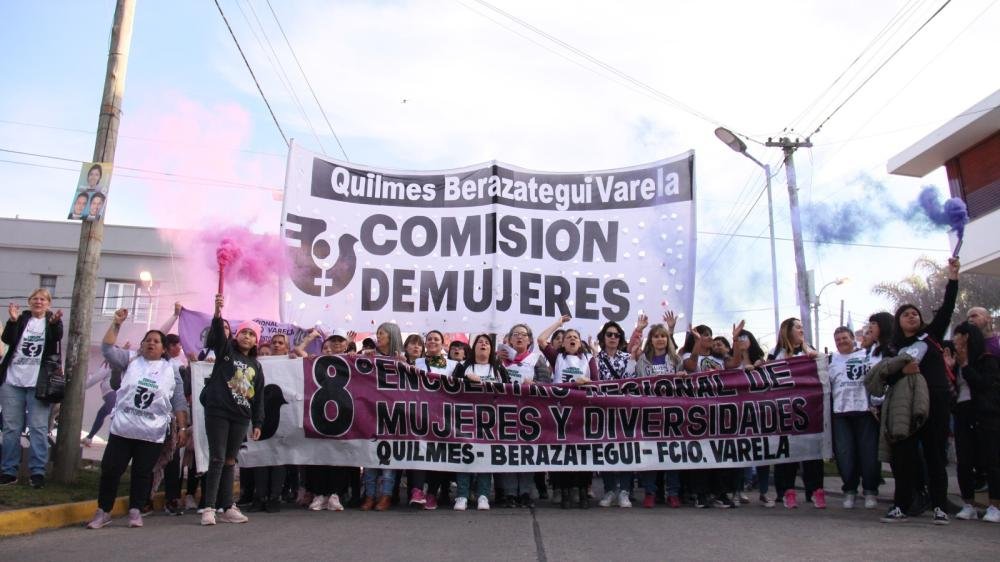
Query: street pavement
(546, 533)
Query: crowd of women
(896, 396)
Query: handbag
(51, 386)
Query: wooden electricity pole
(66, 457)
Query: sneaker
(173, 507)
(849, 500)
(649, 501)
(417, 497)
(940, 517)
(101, 519)
(894, 515)
(701, 501)
(819, 499)
(992, 515)
(189, 503)
(37, 481)
(6, 479)
(146, 509)
(674, 501)
(208, 517)
(432, 503)
(483, 503)
(607, 500)
(742, 498)
(273, 505)
(368, 504)
(134, 518)
(509, 501)
(333, 504)
(723, 501)
(623, 500)
(461, 504)
(790, 501)
(526, 501)
(871, 501)
(318, 503)
(765, 501)
(233, 515)
(968, 513)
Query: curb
(32, 519)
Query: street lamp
(147, 280)
(735, 143)
(838, 281)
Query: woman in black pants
(149, 395)
(922, 342)
(233, 403)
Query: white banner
(481, 248)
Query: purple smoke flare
(958, 217)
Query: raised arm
(116, 356)
(543, 338)
(169, 324)
(635, 341)
(939, 325)
(300, 350)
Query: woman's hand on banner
(255, 434)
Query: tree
(925, 289)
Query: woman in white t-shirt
(792, 343)
(855, 429)
(31, 335)
(573, 362)
(151, 394)
(481, 367)
(435, 360)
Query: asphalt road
(545, 533)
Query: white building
(968, 147)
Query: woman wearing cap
(230, 399)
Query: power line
(275, 61)
(632, 80)
(880, 67)
(252, 75)
(133, 137)
(830, 243)
(174, 176)
(308, 83)
(874, 40)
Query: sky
(557, 86)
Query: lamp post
(734, 142)
(147, 280)
(838, 281)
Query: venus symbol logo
(312, 271)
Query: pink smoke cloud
(205, 193)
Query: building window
(48, 282)
(118, 294)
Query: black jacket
(13, 331)
(234, 390)
(932, 365)
(983, 376)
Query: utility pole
(66, 457)
(801, 284)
